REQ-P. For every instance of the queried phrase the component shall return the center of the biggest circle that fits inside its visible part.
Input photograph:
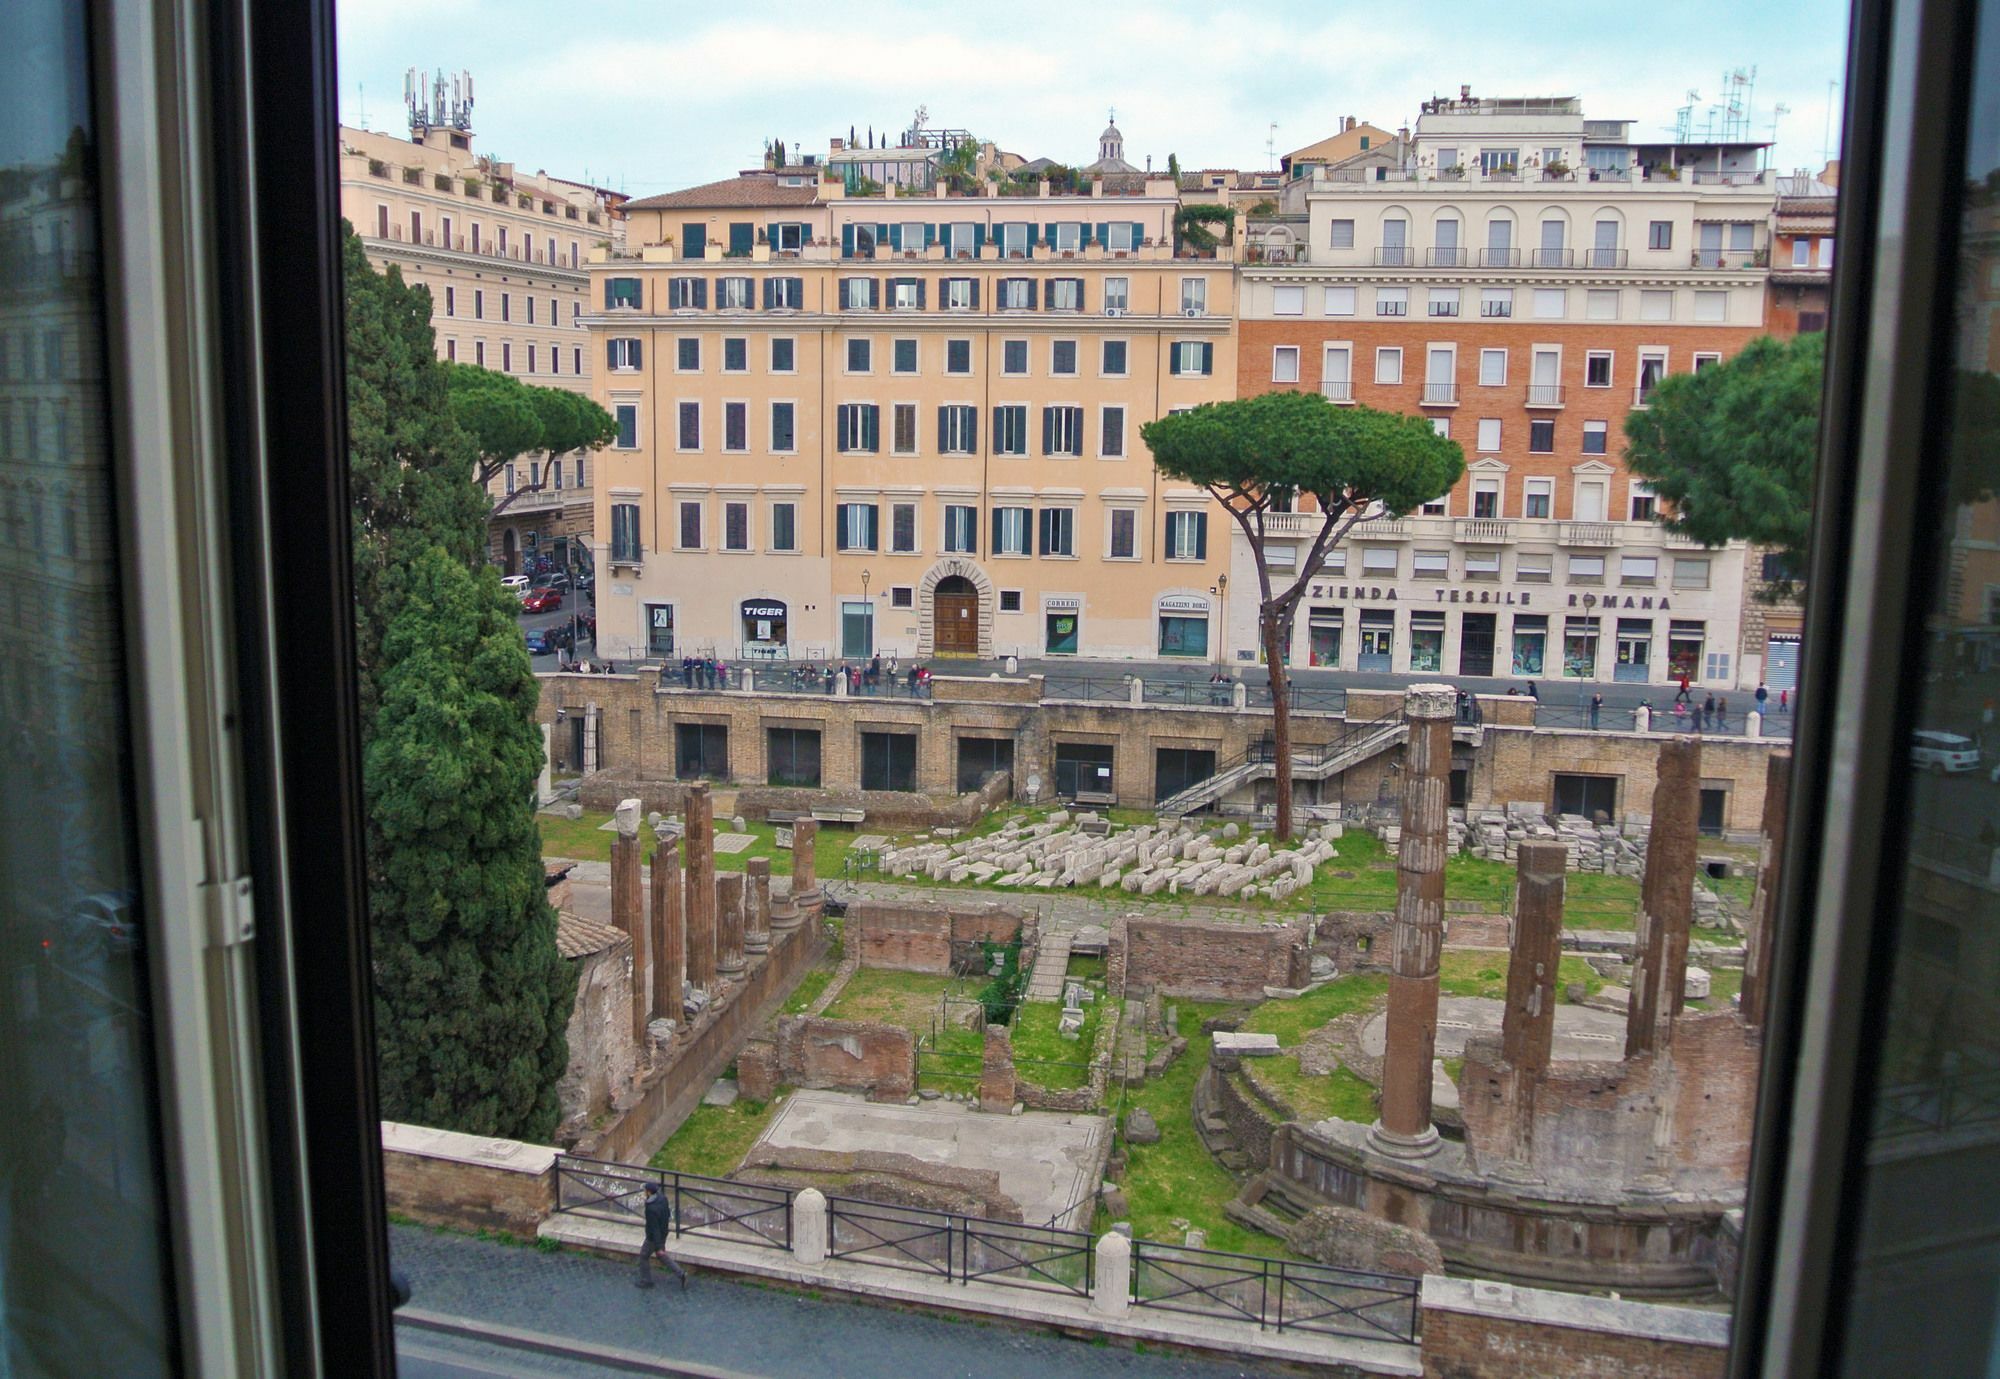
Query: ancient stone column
(757, 905)
(1756, 1001)
(805, 880)
(669, 933)
(997, 1087)
(700, 837)
(1666, 898)
(1405, 1129)
(628, 910)
(729, 925)
(1528, 1025)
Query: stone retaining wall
(1208, 960)
(467, 1182)
(1477, 1330)
(847, 1055)
(938, 939)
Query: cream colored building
(504, 254)
(907, 425)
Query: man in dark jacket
(659, 1222)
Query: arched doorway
(510, 552)
(955, 617)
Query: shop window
(1084, 770)
(1589, 796)
(1426, 641)
(889, 761)
(1177, 768)
(701, 751)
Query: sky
(647, 96)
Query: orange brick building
(1524, 281)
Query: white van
(1943, 752)
(514, 584)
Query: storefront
(1378, 639)
(1781, 661)
(857, 629)
(1061, 618)
(763, 629)
(1684, 647)
(1531, 643)
(1323, 627)
(1426, 641)
(1184, 625)
(1476, 636)
(1635, 650)
(659, 629)
(1580, 648)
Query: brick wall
(467, 1182)
(847, 1055)
(675, 1085)
(1356, 940)
(1506, 403)
(1513, 761)
(1208, 961)
(928, 938)
(1474, 1330)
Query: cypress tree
(471, 994)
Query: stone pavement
(721, 1325)
(1045, 983)
(1582, 1033)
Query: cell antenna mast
(1271, 145)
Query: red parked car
(541, 600)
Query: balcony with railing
(1484, 531)
(1499, 258)
(1726, 258)
(1440, 395)
(1337, 390)
(1545, 395)
(1448, 257)
(1383, 529)
(1293, 523)
(1395, 256)
(1587, 534)
(1551, 258)
(1604, 258)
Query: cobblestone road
(741, 1327)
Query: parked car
(1944, 753)
(542, 642)
(541, 599)
(558, 580)
(515, 583)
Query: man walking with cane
(659, 1221)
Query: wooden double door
(955, 618)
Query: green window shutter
(872, 420)
(1138, 233)
(978, 239)
(1207, 358)
(1049, 234)
(1201, 536)
(874, 293)
(847, 241)
(971, 437)
(1104, 234)
(701, 293)
(1032, 285)
(975, 294)
(930, 234)
(995, 547)
(874, 527)
(944, 414)
(1048, 430)
(920, 294)
(896, 238)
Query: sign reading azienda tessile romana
(1515, 598)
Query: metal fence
(1613, 718)
(1088, 689)
(748, 1213)
(1928, 1108)
(963, 1248)
(1276, 1293)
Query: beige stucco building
(903, 424)
(504, 255)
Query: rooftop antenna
(361, 105)
(1271, 145)
(1778, 112)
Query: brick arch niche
(927, 604)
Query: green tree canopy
(1192, 222)
(497, 411)
(1731, 449)
(472, 996)
(571, 421)
(1260, 455)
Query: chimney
(1465, 92)
(1403, 134)
(1348, 126)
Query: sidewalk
(724, 1326)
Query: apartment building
(1524, 278)
(904, 424)
(504, 256)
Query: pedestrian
(875, 672)
(827, 677)
(687, 672)
(1596, 707)
(1763, 696)
(722, 675)
(1721, 713)
(1534, 693)
(1784, 701)
(659, 1221)
(1707, 710)
(1683, 697)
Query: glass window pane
(83, 1249)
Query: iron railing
(748, 1213)
(959, 1248)
(1929, 1108)
(1279, 1294)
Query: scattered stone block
(1246, 1045)
(1696, 985)
(1140, 1127)
(723, 1093)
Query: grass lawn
(585, 840)
(808, 990)
(1314, 1096)
(1176, 1177)
(909, 999)
(1037, 1035)
(1483, 973)
(1723, 984)
(713, 1140)
(1085, 969)
(1292, 1020)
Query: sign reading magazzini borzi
(1518, 598)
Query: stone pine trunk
(628, 910)
(1666, 899)
(1756, 1000)
(700, 833)
(1417, 941)
(669, 933)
